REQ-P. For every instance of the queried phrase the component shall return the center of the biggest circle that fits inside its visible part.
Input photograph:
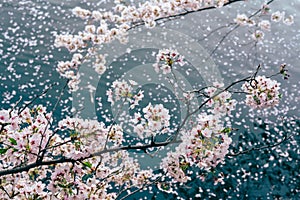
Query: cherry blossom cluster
(26, 137)
(155, 120)
(69, 70)
(262, 92)
(123, 90)
(112, 169)
(210, 141)
(261, 25)
(280, 16)
(176, 165)
(90, 179)
(85, 136)
(93, 35)
(221, 102)
(165, 59)
(204, 147)
(23, 136)
(99, 64)
(24, 186)
(74, 43)
(71, 42)
(106, 26)
(117, 168)
(146, 12)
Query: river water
(28, 60)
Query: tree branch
(167, 18)
(286, 138)
(70, 160)
(35, 98)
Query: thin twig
(140, 188)
(36, 97)
(49, 123)
(234, 28)
(112, 124)
(286, 138)
(215, 30)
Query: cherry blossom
(123, 17)
(166, 58)
(82, 13)
(99, 64)
(205, 146)
(265, 25)
(262, 92)
(242, 19)
(124, 90)
(258, 35)
(77, 158)
(155, 120)
(4, 116)
(277, 16)
(288, 20)
(222, 103)
(25, 135)
(262, 24)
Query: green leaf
(13, 141)
(256, 99)
(184, 166)
(62, 185)
(88, 164)
(226, 130)
(3, 151)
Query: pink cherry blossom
(262, 92)
(166, 58)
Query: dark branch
(36, 97)
(286, 138)
(70, 160)
(184, 13)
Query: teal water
(28, 60)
